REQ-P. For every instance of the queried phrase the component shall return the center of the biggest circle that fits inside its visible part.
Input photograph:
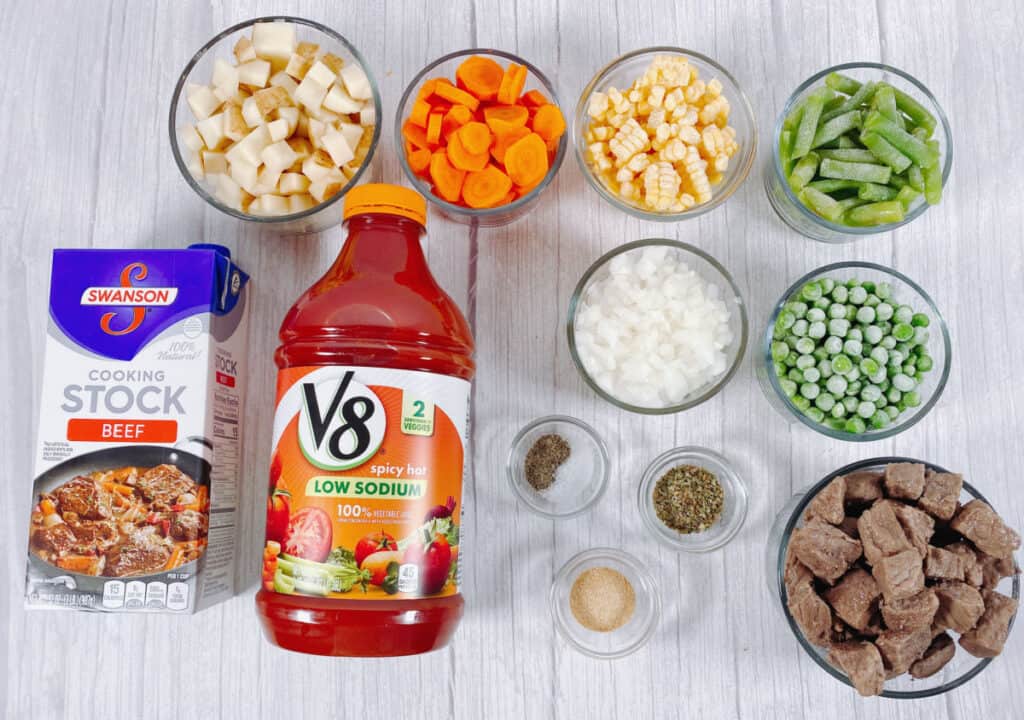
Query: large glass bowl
(959, 670)
(620, 73)
(199, 70)
(711, 271)
(483, 217)
(808, 223)
(904, 291)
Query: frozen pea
(836, 424)
(788, 386)
(910, 369)
(839, 327)
(798, 308)
(888, 342)
(902, 332)
(805, 346)
(892, 411)
(855, 425)
(881, 402)
(883, 290)
(796, 375)
(872, 301)
(816, 330)
(785, 321)
(842, 364)
(866, 409)
(791, 359)
(879, 377)
(853, 374)
(868, 285)
(850, 403)
(879, 420)
(837, 385)
(825, 369)
(780, 369)
(896, 358)
(880, 355)
(866, 315)
(833, 345)
(885, 326)
(779, 351)
(827, 285)
(815, 414)
(921, 336)
(919, 378)
(912, 398)
(903, 383)
(852, 283)
(854, 388)
(920, 320)
(809, 390)
(837, 310)
(868, 366)
(853, 347)
(871, 393)
(873, 334)
(791, 340)
(812, 375)
(815, 314)
(810, 292)
(800, 402)
(904, 314)
(851, 313)
(822, 303)
(858, 295)
(883, 383)
(824, 402)
(804, 361)
(800, 328)
(820, 354)
(838, 410)
(840, 294)
(855, 334)
(904, 348)
(924, 363)
(884, 311)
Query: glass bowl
(579, 482)
(959, 670)
(904, 291)
(711, 271)
(199, 70)
(808, 223)
(734, 510)
(616, 643)
(621, 73)
(483, 217)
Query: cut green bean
(839, 125)
(915, 178)
(785, 144)
(861, 97)
(879, 213)
(850, 203)
(933, 178)
(804, 171)
(907, 195)
(842, 83)
(876, 193)
(808, 122)
(831, 186)
(885, 103)
(885, 152)
(862, 172)
(848, 154)
(792, 120)
(905, 142)
(822, 204)
(847, 141)
(915, 111)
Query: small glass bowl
(579, 482)
(959, 670)
(621, 73)
(616, 643)
(199, 70)
(711, 271)
(734, 510)
(808, 223)
(483, 217)
(905, 292)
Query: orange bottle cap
(388, 199)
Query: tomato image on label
(433, 556)
(373, 543)
(309, 535)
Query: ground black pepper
(688, 499)
(543, 459)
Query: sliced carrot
(480, 76)
(177, 555)
(456, 96)
(504, 117)
(486, 188)
(434, 128)
(509, 198)
(446, 178)
(419, 160)
(417, 136)
(77, 563)
(455, 118)
(505, 139)
(548, 122)
(512, 84)
(526, 160)
(118, 488)
(418, 114)
(476, 137)
(462, 158)
(47, 506)
(535, 98)
(426, 89)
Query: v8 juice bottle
(362, 552)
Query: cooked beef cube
(900, 648)
(917, 525)
(979, 523)
(942, 564)
(84, 497)
(881, 533)
(941, 493)
(55, 539)
(994, 569)
(827, 505)
(939, 653)
(163, 485)
(795, 574)
(854, 598)
(863, 487)
(849, 526)
(912, 613)
(904, 480)
(188, 525)
(812, 614)
(960, 606)
(973, 570)
(94, 535)
(900, 575)
(136, 558)
(825, 549)
(989, 634)
(862, 663)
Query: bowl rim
(855, 232)
(599, 443)
(176, 97)
(738, 302)
(653, 523)
(742, 101)
(418, 183)
(811, 650)
(870, 435)
(647, 579)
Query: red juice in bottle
(370, 428)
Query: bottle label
(366, 483)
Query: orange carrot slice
(426, 89)
(456, 96)
(535, 98)
(500, 118)
(462, 158)
(447, 179)
(505, 139)
(419, 160)
(512, 84)
(418, 114)
(455, 118)
(415, 135)
(480, 76)
(548, 122)
(476, 137)
(486, 188)
(434, 128)
(526, 160)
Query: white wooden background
(84, 161)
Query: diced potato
(270, 99)
(310, 92)
(307, 50)
(298, 203)
(322, 74)
(293, 183)
(353, 133)
(283, 80)
(212, 131)
(190, 138)
(278, 156)
(328, 186)
(249, 148)
(274, 41)
(301, 147)
(244, 51)
(333, 62)
(278, 130)
(337, 146)
(291, 116)
(195, 166)
(203, 102)
(225, 76)
(214, 163)
(367, 116)
(356, 82)
(267, 180)
(339, 101)
(245, 174)
(229, 192)
(251, 112)
(235, 127)
(254, 73)
(318, 165)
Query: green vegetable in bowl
(860, 154)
